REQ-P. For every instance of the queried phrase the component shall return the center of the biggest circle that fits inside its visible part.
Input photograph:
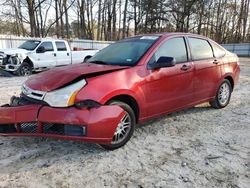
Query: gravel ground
(198, 147)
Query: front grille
(50, 128)
(30, 127)
(4, 59)
(34, 94)
(27, 100)
(61, 129)
(47, 128)
(8, 128)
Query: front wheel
(86, 59)
(24, 70)
(223, 95)
(125, 127)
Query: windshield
(126, 52)
(30, 44)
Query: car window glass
(200, 49)
(126, 52)
(174, 47)
(218, 51)
(61, 46)
(48, 46)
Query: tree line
(225, 21)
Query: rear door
(207, 72)
(170, 88)
(63, 56)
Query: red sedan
(130, 81)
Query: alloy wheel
(224, 93)
(122, 129)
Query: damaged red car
(126, 83)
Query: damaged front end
(30, 118)
(10, 62)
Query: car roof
(53, 40)
(169, 34)
(48, 40)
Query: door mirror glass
(163, 62)
(41, 49)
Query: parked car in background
(38, 55)
(128, 82)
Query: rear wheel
(125, 127)
(223, 95)
(24, 70)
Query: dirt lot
(198, 147)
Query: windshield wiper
(98, 62)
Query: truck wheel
(24, 70)
(125, 128)
(223, 95)
(86, 59)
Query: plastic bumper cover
(98, 124)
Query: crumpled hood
(61, 76)
(13, 51)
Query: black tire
(217, 101)
(131, 113)
(24, 70)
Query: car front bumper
(96, 125)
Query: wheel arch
(230, 79)
(87, 57)
(131, 101)
(27, 60)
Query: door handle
(185, 67)
(67, 54)
(54, 54)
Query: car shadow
(50, 151)
(196, 109)
(4, 73)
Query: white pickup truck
(38, 55)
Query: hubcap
(122, 129)
(25, 71)
(224, 94)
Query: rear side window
(61, 46)
(200, 49)
(174, 47)
(48, 46)
(218, 51)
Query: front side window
(175, 48)
(61, 46)
(48, 46)
(200, 49)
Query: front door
(46, 59)
(170, 88)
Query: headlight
(64, 97)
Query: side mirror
(40, 49)
(163, 62)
